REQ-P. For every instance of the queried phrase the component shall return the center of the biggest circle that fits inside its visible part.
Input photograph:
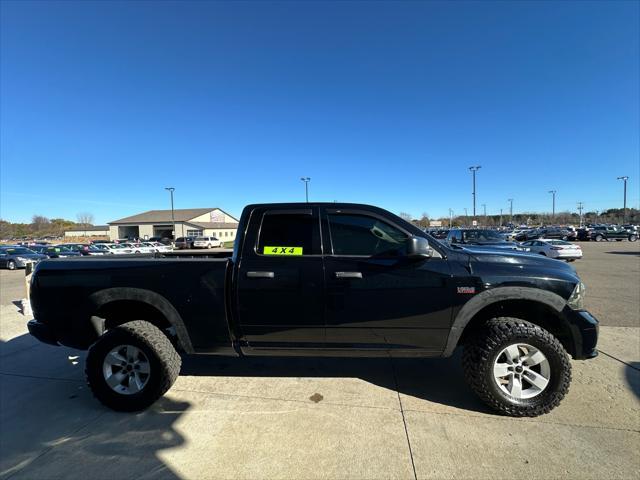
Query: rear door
(379, 300)
(280, 287)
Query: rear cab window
(289, 233)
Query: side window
(289, 234)
(364, 235)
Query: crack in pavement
(21, 467)
(525, 420)
(404, 421)
(40, 377)
(621, 361)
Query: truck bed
(189, 286)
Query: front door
(280, 281)
(378, 299)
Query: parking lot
(327, 418)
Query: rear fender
(101, 298)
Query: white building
(89, 231)
(189, 222)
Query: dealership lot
(327, 418)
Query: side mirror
(418, 247)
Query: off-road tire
(481, 352)
(163, 359)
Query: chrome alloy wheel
(521, 371)
(126, 369)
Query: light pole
(306, 181)
(511, 210)
(500, 217)
(173, 218)
(473, 170)
(624, 211)
(580, 207)
(450, 217)
(553, 208)
(484, 210)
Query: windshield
(482, 236)
(17, 251)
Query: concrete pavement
(312, 418)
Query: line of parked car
(482, 240)
(17, 256)
(597, 233)
(551, 241)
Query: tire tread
(168, 359)
(477, 357)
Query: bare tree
(85, 219)
(424, 220)
(39, 222)
(405, 216)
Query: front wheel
(632, 238)
(11, 265)
(598, 238)
(517, 368)
(131, 366)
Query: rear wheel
(131, 366)
(632, 238)
(517, 368)
(598, 238)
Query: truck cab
(340, 278)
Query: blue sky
(103, 104)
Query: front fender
(495, 295)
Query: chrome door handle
(260, 275)
(348, 275)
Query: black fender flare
(101, 298)
(498, 294)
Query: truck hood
(490, 246)
(519, 260)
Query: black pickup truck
(318, 279)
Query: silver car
(13, 257)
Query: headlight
(576, 300)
